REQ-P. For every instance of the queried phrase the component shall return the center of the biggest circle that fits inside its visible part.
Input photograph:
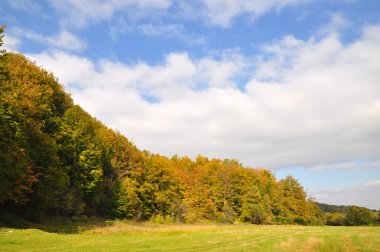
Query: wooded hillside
(57, 159)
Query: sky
(288, 85)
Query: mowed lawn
(119, 236)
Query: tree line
(349, 215)
(57, 159)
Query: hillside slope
(55, 158)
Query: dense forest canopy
(57, 159)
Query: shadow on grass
(51, 224)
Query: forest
(56, 159)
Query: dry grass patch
(347, 244)
(122, 228)
(311, 244)
(370, 241)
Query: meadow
(124, 236)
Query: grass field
(119, 236)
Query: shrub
(335, 219)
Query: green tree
(295, 206)
(2, 29)
(335, 219)
(252, 208)
(128, 203)
(358, 216)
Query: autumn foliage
(57, 159)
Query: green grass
(123, 236)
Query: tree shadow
(50, 224)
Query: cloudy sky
(289, 85)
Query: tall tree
(2, 29)
(357, 216)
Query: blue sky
(290, 85)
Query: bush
(335, 219)
(254, 213)
(228, 215)
(157, 219)
(283, 220)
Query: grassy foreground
(119, 236)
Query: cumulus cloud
(307, 102)
(325, 97)
(221, 73)
(222, 12)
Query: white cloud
(80, 13)
(170, 31)
(222, 12)
(63, 40)
(307, 102)
(220, 73)
(69, 69)
(11, 43)
(374, 183)
(337, 23)
(325, 97)
(118, 27)
(167, 29)
(348, 165)
(67, 40)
